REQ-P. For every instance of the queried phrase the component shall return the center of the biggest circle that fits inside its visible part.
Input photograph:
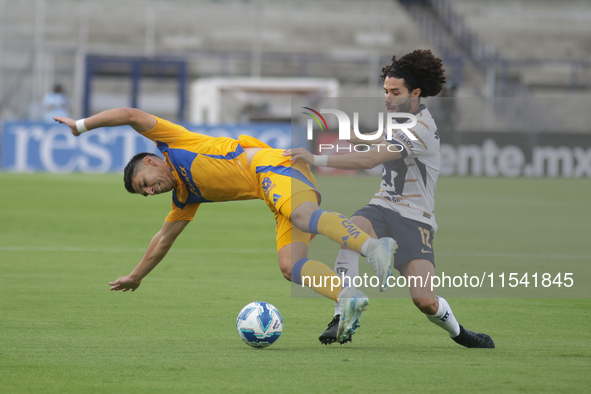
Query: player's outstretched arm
(356, 140)
(141, 121)
(349, 161)
(159, 246)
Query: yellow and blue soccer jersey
(209, 169)
(206, 169)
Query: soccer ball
(259, 324)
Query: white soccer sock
(445, 318)
(347, 265)
(365, 246)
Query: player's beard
(402, 107)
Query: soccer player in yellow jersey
(201, 169)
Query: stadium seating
(542, 43)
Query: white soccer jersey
(408, 184)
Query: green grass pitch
(63, 237)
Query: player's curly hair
(130, 170)
(422, 68)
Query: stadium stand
(502, 48)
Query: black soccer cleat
(330, 335)
(472, 339)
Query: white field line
(252, 251)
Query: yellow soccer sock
(337, 228)
(318, 277)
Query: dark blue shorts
(415, 239)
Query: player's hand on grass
(300, 154)
(71, 123)
(125, 283)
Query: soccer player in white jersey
(403, 208)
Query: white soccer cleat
(353, 303)
(379, 255)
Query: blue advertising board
(36, 146)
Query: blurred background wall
(490, 48)
(513, 66)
